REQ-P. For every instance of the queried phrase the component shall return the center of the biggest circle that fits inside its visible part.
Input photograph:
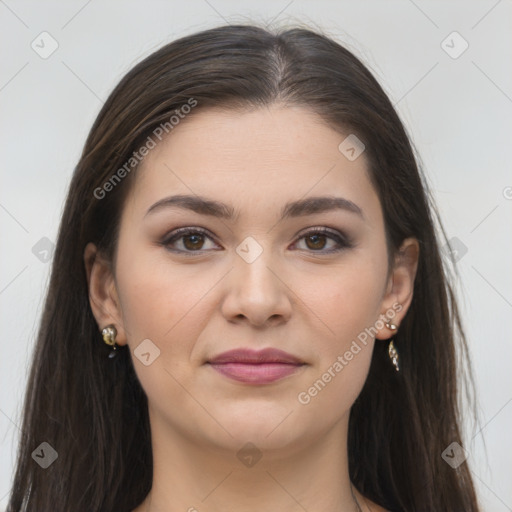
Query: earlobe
(400, 288)
(103, 297)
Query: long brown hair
(93, 411)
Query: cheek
(348, 307)
(164, 304)
(346, 300)
(161, 301)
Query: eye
(316, 239)
(193, 240)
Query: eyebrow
(205, 206)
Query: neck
(195, 475)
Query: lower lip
(256, 373)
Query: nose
(257, 293)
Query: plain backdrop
(456, 103)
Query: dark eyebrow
(308, 206)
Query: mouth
(256, 367)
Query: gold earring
(109, 334)
(393, 353)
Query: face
(312, 282)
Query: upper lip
(250, 356)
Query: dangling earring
(109, 334)
(393, 354)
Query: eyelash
(342, 240)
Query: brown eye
(187, 240)
(194, 241)
(317, 241)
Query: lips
(256, 367)
(248, 356)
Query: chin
(270, 428)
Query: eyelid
(178, 233)
(326, 230)
(340, 237)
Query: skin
(290, 297)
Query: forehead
(260, 158)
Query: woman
(247, 307)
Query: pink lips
(256, 367)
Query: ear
(103, 296)
(400, 286)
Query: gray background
(457, 110)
